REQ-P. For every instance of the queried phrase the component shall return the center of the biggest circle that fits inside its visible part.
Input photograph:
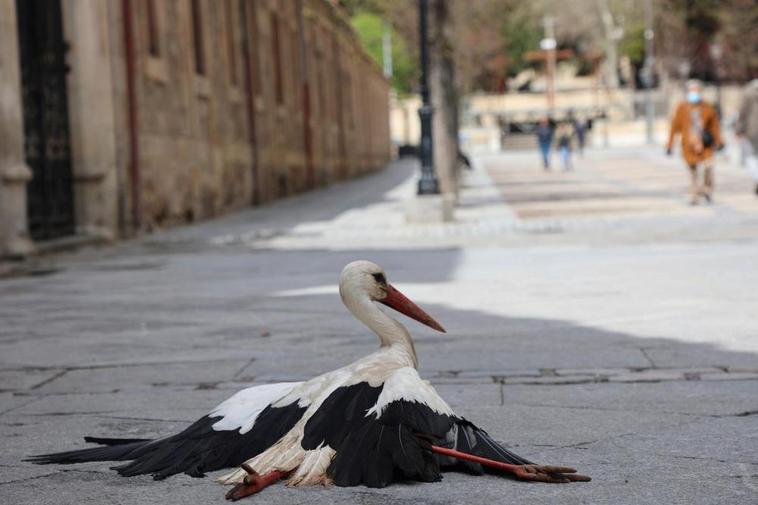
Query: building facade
(129, 115)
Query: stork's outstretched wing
(239, 428)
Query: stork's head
(364, 279)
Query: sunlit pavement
(621, 183)
(594, 319)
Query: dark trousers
(545, 151)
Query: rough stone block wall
(317, 103)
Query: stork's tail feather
(112, 449)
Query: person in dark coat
(545, 139)
(580, 130)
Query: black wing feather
(114, 441)
(195, 451)
(486, 447)
(377, 451)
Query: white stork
(372, 422)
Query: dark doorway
(50, 199)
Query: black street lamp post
(428, 184)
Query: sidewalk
(621, 342)
(621, 195)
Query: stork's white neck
(390, 332)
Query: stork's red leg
(541, 473)
(254, 483)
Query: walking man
(580, 130)
(747, 128)
(697, 123)
(545, 139)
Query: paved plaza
(593, 318)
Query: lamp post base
(428, 186)
(429, 209)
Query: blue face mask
(693, 97)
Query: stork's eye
(379, 277)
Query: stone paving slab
(712, 398)
(695, 440)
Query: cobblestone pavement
(614, 336)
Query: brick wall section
(319, 105)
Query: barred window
(197, 36)
(231, 41)
(277, 61)
(153, 31)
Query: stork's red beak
(398, 301)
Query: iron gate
(42, 49)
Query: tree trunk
(443, 94)
(611, 53)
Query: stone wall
(286, 100)
(328, 117)
(233, 103)
(194, 155)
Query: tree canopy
(491, 36)
(371, 28)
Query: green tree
(370, 29)
(520, 34)
(633, 43)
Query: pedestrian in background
(697, 123)
(545, 140)
(565, 134)
(580, 130)
(747, 128)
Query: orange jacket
(692, 146)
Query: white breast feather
(405, 384)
